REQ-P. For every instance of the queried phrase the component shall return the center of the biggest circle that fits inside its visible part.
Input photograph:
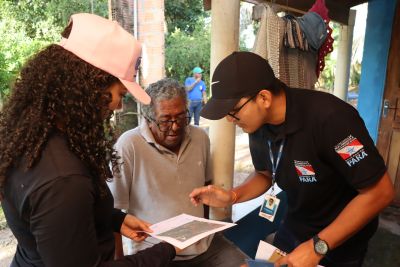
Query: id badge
(269, 207)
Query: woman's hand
(135, 228)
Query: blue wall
(375, 56)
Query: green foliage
(29, 25)
(355, 74)
(184, 52)
(184, 15)
(188, 39)
(327, 77)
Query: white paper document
(268, 252)
(184, 230)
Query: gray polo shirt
(154, 183)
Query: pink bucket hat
(106, 45)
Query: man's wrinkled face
(168, 126)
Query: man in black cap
(316, 148)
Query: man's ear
(265, 97)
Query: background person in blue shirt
(196, 89)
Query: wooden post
(224, 40)
(342, 72)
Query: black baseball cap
(238, 75)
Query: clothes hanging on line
(294, 36)
(306, 33)
(294, 67)
(314, 28)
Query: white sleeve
(121, 184)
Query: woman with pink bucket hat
(56, 145)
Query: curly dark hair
(57, 90)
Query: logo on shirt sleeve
(351, 150)
(305, 171)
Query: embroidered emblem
(305, 171)
(351, 150)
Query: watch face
(321, 247)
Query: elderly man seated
(163, 160)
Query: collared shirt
(328, 156)
(155, 183)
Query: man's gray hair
(164, 89)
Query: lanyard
(274, 163)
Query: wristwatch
(320, 246)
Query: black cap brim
(216, 109)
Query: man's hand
(211, 195)
(135, 228)
(303, 256)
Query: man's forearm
(359, 212)
(255, 185)
(190, 87)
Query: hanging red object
(320, 8)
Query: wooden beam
(338, 12)
(258, 9)
(338, 9)
(207, 5)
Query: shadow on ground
(384, 247)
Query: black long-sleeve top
(60, 219)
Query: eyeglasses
(166, 125)
(236, 110)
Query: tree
(184, 52)
(327, 76)
(188, 39)
(184, 15)
(29, 25)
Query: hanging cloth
(269, 40)
(320, 8)
(294, 37)
(294, 67)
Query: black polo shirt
(328, 155)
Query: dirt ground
(7, 247)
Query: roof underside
(338, 9)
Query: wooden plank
(394, 155)
(391, 92)
(394, 81)
(207, 5)
(389, 127)
(338, 10)
(258, 9)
